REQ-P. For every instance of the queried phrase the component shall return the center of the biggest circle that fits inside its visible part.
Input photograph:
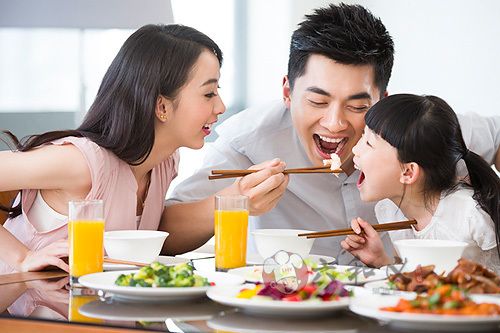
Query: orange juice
(230, 238)
(86, 246)
(75, 303)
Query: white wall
(269, 30)
(449, 48)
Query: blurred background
(53, 53)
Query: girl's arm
(366, 245)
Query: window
(54, 70)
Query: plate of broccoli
(158, 282)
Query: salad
(323, 288)
(159, 275)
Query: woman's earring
(163, 117)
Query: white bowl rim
(135, 234)
(424, 243)
(271, 232)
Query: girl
(159, 94)
(408, 155)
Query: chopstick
(378, 227)
(125, 262)
(221, 174)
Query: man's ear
(410, 172)
(164, 108)
(286, 92)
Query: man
(340, 63)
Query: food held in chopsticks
(445, 300)
(467, 276)
(159, 275)
(334, 163)
(349, 231)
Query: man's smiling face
(328, 105)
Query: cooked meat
(467, 275)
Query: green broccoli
(159, 275)
(123, 280)
(200, 281)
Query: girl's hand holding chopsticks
(367, 245)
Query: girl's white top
(458, 217)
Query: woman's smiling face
(198, 103)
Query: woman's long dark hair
(425, 130)
(155, 60)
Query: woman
(159, 94)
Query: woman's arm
(19, 257)
(61, 167)
(62, 172)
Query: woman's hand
(263, 188)
(51, 291)
(366, 245)
(48, 256)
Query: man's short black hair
(348, 34)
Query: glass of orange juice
(86, 233)
(231, 224)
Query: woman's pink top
(113, 182)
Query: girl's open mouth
(327, 146)
(361, 179)
(207, 128)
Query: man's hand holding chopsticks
(263, 188)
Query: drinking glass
(231, 224)
(86, 233)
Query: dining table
(43, 302)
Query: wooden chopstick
(378, 227)
(246, 171)
(31, 276)
(124, 262)
(220, 174)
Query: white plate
(106, 282)
(111, 309)
(227, 296)
(368, 304)
(256, 259)
(249, 273)
(382, 287)
(241, 322)
(165, 260)
(360, 275)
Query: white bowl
(270, 241)
(134, 245)
(444, 254)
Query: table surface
(48, 305)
